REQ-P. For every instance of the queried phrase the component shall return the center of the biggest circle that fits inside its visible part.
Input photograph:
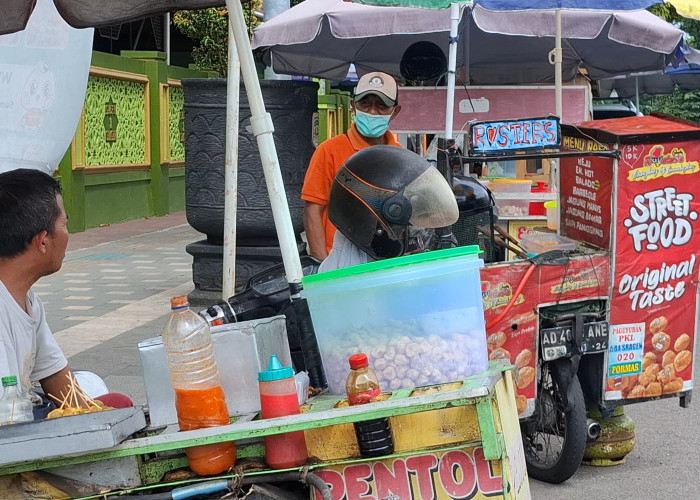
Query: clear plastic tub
(419, 318)
(545, 242)
(521, 186)
(512, 208)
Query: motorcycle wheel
(555, 439)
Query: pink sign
(423, 108)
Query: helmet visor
(432, 202)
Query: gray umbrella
(322, 37)
(685, 76)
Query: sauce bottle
(199, 398)
(278, 398)
(362, 386)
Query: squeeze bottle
(278, 398)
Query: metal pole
(558, 65)
(166, 37)
(262, 128)
(451, 70)
(272, 8)
(233, 83)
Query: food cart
(612, 322)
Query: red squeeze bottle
(278, 398)
(199, 399)
(373, 436)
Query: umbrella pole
(228, 287)
(451, 70)
(558, 65)
(262, 128)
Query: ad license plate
(559, 341)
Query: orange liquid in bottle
(197, 409)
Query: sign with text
(444, 475)
(656, 269)
(586, 195)
(514, 135)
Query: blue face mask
(371, 125)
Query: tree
(209, 30)
(682, 104)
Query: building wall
(127, 158)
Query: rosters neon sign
(515, 135)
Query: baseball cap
(379, 84)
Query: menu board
(657, 249)
(585, 194)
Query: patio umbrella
(322, 37)
(685, 76)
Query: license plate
(559, 341)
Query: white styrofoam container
(240, 350)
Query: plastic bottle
(15, 407)
(278, 398)
(199, 399)
(362, 386)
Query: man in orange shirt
(375, 104)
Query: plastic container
(514, 186)
(15, 407)
(544, 242)
(512, 208)
(199, 398)
(278, 398)
(426, 308)
(551, 207)
(537, 207)
(362, 387)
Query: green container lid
(379, 265)
(275, 371)
(10, 380)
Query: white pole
(636, 92)
(272, 8)
(451, 69)
(233, 83)
(166, 38)
(558, 65)
(262, 128)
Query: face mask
(371, 125)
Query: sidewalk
(113, 291)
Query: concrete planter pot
(292, 105)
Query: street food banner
(657, 250)
(585, 194)
(463, 473)
(514, 337)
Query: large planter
(291, 105)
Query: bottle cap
(358, 361)
(9, 380)
(179, 302)
(275, 371)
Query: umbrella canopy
(92, 13)
(687, 8)
(685, 76)
(322, 37)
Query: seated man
(33, 244)
(382, 200)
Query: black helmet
(380, 190)
(471, 195)
(423, 61)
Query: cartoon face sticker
(40, 89)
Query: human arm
(315, 232)
(58, 387)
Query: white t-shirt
(27, 346)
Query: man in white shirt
(33, 239)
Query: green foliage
(682, 104)
(209, 30)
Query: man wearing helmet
(378, 198)
(375, 104)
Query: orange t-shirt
(325, 163)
